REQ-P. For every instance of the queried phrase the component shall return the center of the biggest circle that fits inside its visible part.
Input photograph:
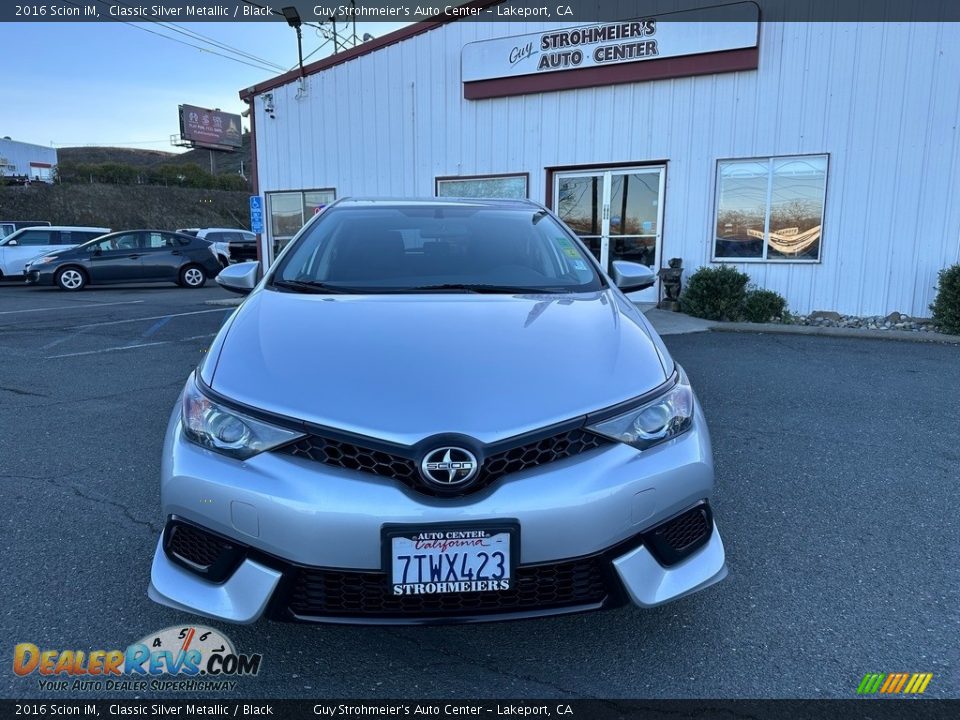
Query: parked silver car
(432, 411)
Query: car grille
(512, 460)
(686, 529)
(680, 536)
(342, 593)
(195, 546)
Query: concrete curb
(859, 333)
(229, 302)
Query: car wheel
(71, 279)
(192, 276)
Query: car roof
(157, 230)
(218, 229)
(65, 227)
(451, 201)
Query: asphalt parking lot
(837, 464)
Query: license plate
(431, 561)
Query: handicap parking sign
(256, 213)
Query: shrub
(715, 293)
(762, 306)
(946, 307)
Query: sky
(113, 83)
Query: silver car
(434, 411)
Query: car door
(116, 258)
(23, 246)
(162, 256)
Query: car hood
(405, 367)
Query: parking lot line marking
(131, 347)
(156, 326)
(59, 340)
(109, 349)
(70, 307)
(153, 317)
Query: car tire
(192, 276)
(71, 279)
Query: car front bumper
(305, 537)
(35, 276)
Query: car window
(35, 237)
(156, 240)
(404, 248)
(66, 238)
(249, 237)
(82, 237)
(216, 237)
(121, 242)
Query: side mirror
(12, 243)
(240, 278)
(631, 276)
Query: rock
(825, 315)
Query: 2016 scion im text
(434, 411)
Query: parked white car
(17, 249)
(228, 245)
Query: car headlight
(45, 259)
(655, 422)
(212, 426)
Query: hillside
(122, 156)
(223, 162)
(125, 206)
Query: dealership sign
(696, 32)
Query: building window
(289, 211)
(483, 186)
(770, 209)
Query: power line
(209, 40)
(182, 42)
(190, 33)
(110, 144)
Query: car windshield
(436, 248)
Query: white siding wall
(882, 99)
(21, 154)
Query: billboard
(210, 128)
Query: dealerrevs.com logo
(192, 658)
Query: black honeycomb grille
(354, 457)
(686, 529)
(195, 546)
(679, 537)
(521, 457)
(339, 593)
(547, 450)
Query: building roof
(404, 33)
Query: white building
(25, 160)
(821, 158)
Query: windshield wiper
(490, 289)
(312, 287)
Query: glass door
(617, 213)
